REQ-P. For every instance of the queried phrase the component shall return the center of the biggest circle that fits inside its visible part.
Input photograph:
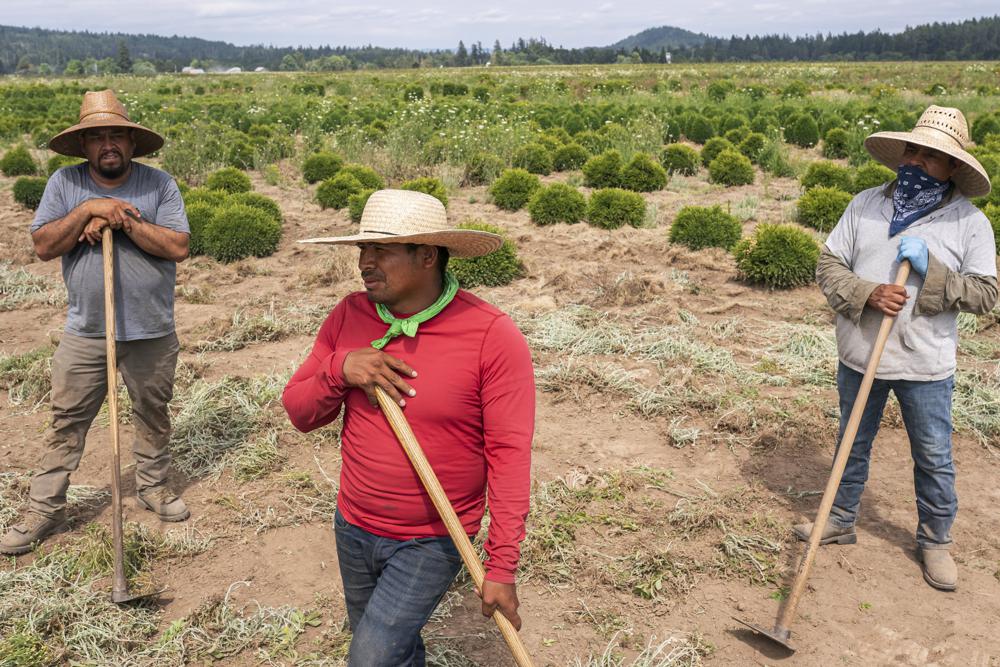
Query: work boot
(35, 527)
(939, 569)
(831, 534)
(163, 503)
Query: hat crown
(403, 212)
(947, 120)
(101, 102)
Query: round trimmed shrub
(533, 158)
(199, 215)
(871, 175)
(753, 146)
(821, 207)
(778, 256)
(229, 179)
(643, 174)
(569, 157)
(836, 143)
(593, 142)
(700, 227)
(731, 168)
(500, 267)
(512, 190)
(366, 176)
(604, 170)
(18, 162)
(698, 129)
(737, 134)
(356, 204)
(802, 130)
(214, 198)
(557, 203)
(238, 231)
(482, 168)
(28, 191)
(334, 192)
(431, 186)
(321, 166)
(57, 162)
(612, 208)
(259, 201)
(713, 147)
(827, 174)
(680, 159)
(984, 126)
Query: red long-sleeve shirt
(473, 415)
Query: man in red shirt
(462, 372)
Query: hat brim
(970, 177)
(459, 242)
(68, 143)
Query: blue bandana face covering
(916, 195)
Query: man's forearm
(846, 293)
(158, 241)
(56, 238)
(944, 290)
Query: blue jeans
(391, 588)
(926, 408)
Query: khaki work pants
(79, 386)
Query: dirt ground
(866, 604)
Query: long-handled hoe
(430, 481)
(782, 628)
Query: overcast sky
(440, 24)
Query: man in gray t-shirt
(143, 208)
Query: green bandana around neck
(409, 325)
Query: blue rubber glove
(915, 250)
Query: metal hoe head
(777, 635)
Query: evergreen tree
(124, 59)
(461, 55)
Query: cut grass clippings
(19, 288)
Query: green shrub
(534, 158)
(612, 208)
(57, 162)
(593, 142)
(413, 92)
(356, 204)
(482, 168)
(821, 207)
(680, 159)
(500, 267)
(698, 129)
(984, 126)
(366, 176)
(836, 143)
(432, 186)
(321, 166)
(736, 135)
(778, 256)
(992, 212)
(199, 215)
(713, 147)
(827, 174)
(570, 156)
(557, 203)
(802, 130)
(773, 159)
(237, 231)
(229, 179)
(718, 90)
(643, 174)
(334, 192)
(699, 227)
(731, 168)
(871, 175)
(753, 146)
(214, 198)
(604, 170)
(18, 162)
(28, 191)
(765, 123)
(513, 189)
(259, 201)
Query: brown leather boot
(33, 529)
(832, 534)
(163, 503)
(939, 569)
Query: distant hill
(665, 37)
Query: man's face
(934, 163)
(393, 272)
(108, 149)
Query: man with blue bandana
(923, 216)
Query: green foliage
(513, 189)
(432, 186)
(604, 170)
(413, 92)
(534, 158)
(229, 179)
(321, 166)
(366, 176)
(992, 212)
(827, 174)
(199, 215)
(802, 130)
(698, 129)
(557, 203)
(335, 192)
(18, 162)
(238, 231)
(777, 256)
(569, 156)
(57, 162)
(699, 227)
(773, 159)
(643, 174)
(593, 142)
(730, 168)
(356, 204)
(871, 175)
(836, 143)
(257, 200)
(500, 267)
(28, 191)
(612, 208)
(482, 168)
(719, 89)
(821, 207)
(713, 147)
(680, 159)
(213, 198)
(984, 126)
(753, 146)
(736, 135)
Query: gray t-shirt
(144, 284)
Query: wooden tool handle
(840, 462)
(430, 481)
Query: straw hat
(943, 129)
(102, 109)
(403, 216)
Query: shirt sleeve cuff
(500, 576)
(859, 298)
(930, 300)
(335, 371)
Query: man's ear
(428, 256)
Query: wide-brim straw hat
(404, 216)
(943, 129)
(101, 108)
